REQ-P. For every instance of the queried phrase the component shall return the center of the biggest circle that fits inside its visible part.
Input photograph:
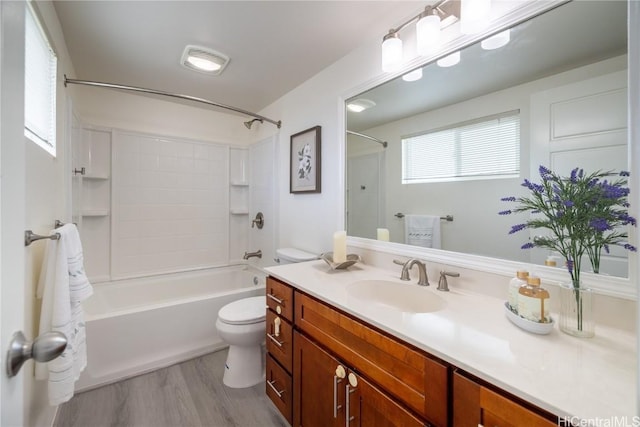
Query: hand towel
(422, 230)
(62, 286)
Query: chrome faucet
(442, 283)
(423, 279)
(257, 254)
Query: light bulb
(474, 15)
(203, 63)
(412, 76)
(450, 60)
(391, 53)
(428, 34)
(497, 41)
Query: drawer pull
(336, 381)
(348, 417)
(275, 340)
(276, 326)
(275, 390)
(276, 299)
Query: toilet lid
(244, 311)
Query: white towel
(422, 230)
(63, 285)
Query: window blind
(40, 86)
(485, 148)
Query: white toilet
(241, 324)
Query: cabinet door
(367, 406)
(318, 392)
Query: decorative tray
(351, 259)
(528, 325)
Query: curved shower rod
(169, 94)
(373, 138)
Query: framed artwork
(305, 161)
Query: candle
(383, 234)
(339, 246)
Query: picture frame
(305, 161)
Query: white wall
(46, 201)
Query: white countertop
(588, 378)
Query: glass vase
(576, 311)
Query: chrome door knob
(44, 348)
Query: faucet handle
(442, 283)
(405, 271)
(397, 261)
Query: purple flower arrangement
(584, 213)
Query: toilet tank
(293, 255)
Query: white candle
(383, 234)
(339, 246)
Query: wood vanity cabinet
(476, 405)
(279, 343)
(328, 393)
(410, 379)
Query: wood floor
(187, 394)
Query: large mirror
(562, 77)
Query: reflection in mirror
(562, 78)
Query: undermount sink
(404, 297)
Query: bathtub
(139, 325)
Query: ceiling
(274, 46)
(572, 35)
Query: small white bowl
(528, 325)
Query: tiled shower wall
(170, 205)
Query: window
(486, 148)
(40, 86)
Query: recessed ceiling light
(204, 60)
(360, 105)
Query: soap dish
(528, 325)
(351, 259)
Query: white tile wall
(170, 204)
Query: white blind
(485, 148)
(40, 86)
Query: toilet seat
(244, 311)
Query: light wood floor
(186, 394)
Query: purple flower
(508, 199)
(606, 248)
(630, 247)
(568, 203)
(528, 245)
(600, 224)
(507, 212)
(517, 227)
(545, 173)
(569, 265)
(624, 173)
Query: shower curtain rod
(169, 94)
(373, 138)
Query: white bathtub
(138, 325)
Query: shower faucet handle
(259, 221)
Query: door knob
(44, 348)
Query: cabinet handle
(348, 418)
(336, 381)
(276, 299)
(278, 343)
(276, 326)
(275, 390)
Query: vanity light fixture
(474, 15)
(204, 60)
(360, 104)
(497, 41)
(429, 24)
(412, 76)
(449, 60)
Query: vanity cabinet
(408, 377)
(279, 344)
(477, 405)
(328, 393)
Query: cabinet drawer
(280, 298)
(281, 346)
(410, 376)
(279, 388)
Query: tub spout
(257, 254)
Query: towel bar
(30, 237)
(446, 217)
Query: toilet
(241, 324)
